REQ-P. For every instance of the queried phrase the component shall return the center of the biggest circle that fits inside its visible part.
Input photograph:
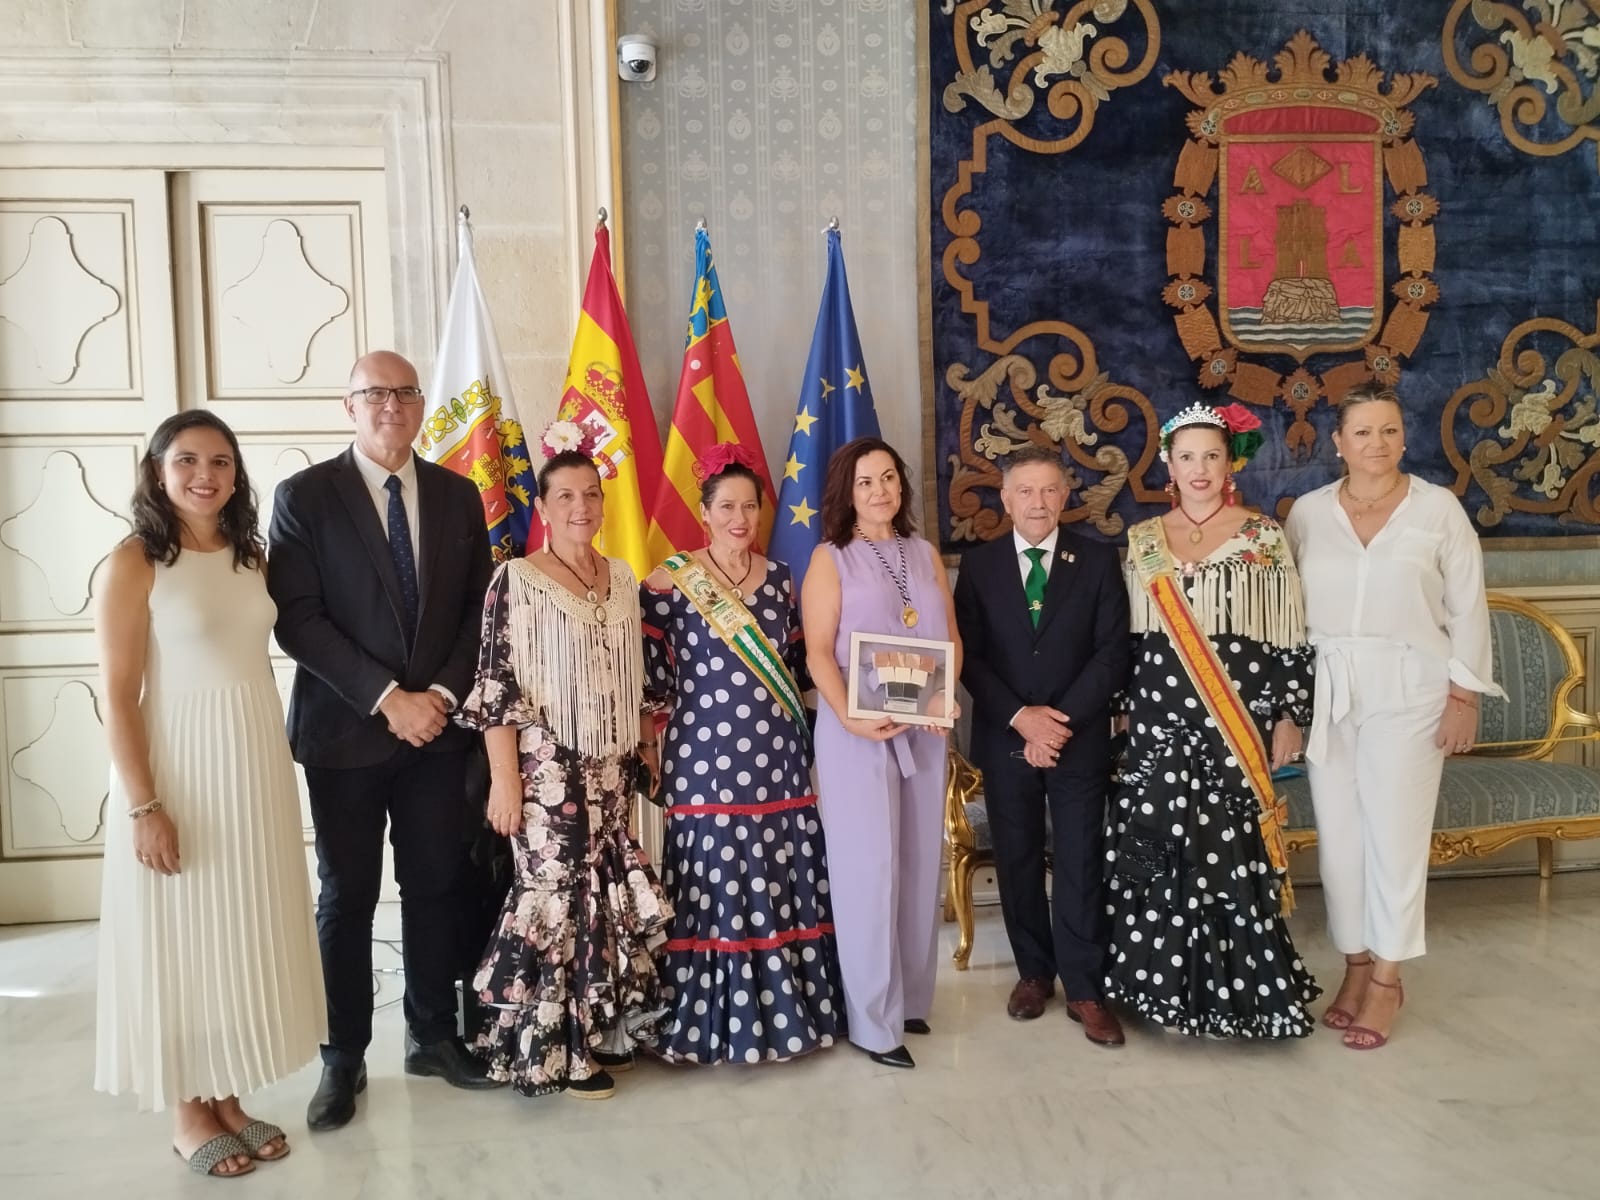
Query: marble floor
(1491, 1088)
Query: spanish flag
(606, 394)
(712, 407)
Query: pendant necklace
(1195, 535)
(591, 595)
(908, 612)
(1369, 505)
(738, 588)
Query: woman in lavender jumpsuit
(880, 784)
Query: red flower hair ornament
(723, 455)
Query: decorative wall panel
(1138, 205)
(57, 769)
(61, 512)
(64, 323)
(281, 299)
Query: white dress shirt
(376, 477)
(1025, 564)
(1047, 544)
(1417, 585)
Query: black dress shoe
(334, 1102)
(451, 1061)
(898, 1057)
(917, 1025)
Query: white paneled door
(124, 296)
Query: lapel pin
(1068, 556)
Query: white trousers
(1374, 772)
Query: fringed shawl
(584, 672)
(1248, 586)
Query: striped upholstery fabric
(978, 818)
(1486, 791)
(1529, 664)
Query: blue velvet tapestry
(1403, 191)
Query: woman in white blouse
(1396, 609)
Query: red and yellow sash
(1152, 560)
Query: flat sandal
(208, 1156)
(258, 1135)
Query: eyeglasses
(379, 396)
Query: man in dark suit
(1043, 616)
(378, 564)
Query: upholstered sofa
(1507, 790)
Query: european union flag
(835, 408)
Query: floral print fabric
(571, 959)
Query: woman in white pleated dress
(210, 984)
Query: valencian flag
(712, 407)
(835, 408)
(605, 394)
(473, 428)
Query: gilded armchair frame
(964, 783)
(1449, 845)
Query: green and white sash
(731, 621)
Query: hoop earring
(1172, 493)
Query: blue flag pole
(835, 408)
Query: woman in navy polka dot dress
(1198, 939)
(750, 968)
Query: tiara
(1239, 424)
(560, 437)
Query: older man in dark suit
(378, 564)
(1043, 616)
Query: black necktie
(405, 563)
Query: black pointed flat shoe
(898, 1057)
(599, 1086)
(918, 1025)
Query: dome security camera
(636, 58)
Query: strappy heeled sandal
(1339, 1018)
(1371, 1039)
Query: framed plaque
(908, 680)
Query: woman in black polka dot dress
(1198, 939)
(750, 968)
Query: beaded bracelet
(144, 810)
